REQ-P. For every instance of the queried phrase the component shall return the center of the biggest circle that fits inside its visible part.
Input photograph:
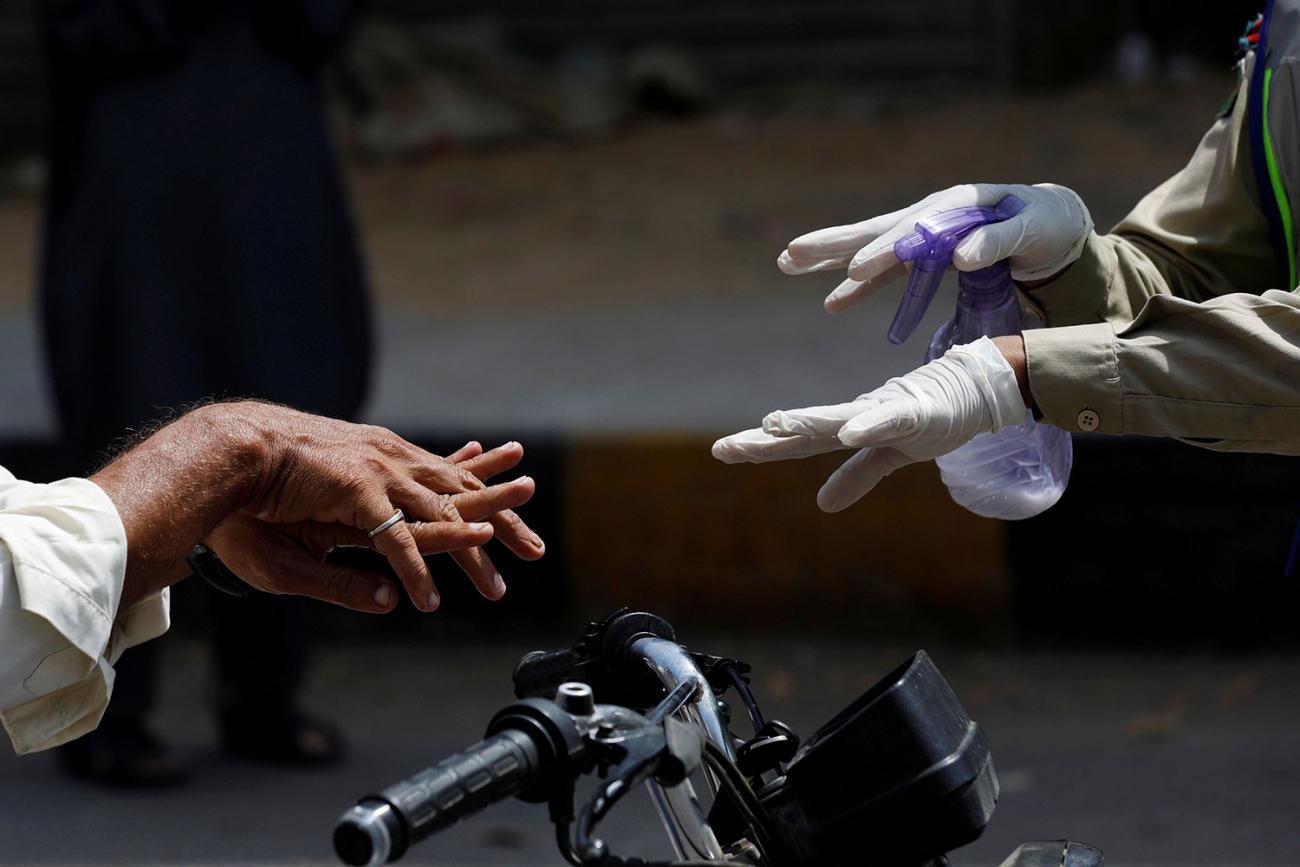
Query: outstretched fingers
(398, 545)
(482, 572)
(451, 509)
(492, 504)
(491, 463)
(351, 588)
(791, 268)
(814, 421)
(875, 260)
(470, 450)
(511, 530)
(475, 505)
(437, 518)
(461, 523)
(851, 291)
(857, 476)
(483, 508)
(842, 242)
(755, 446)
(881, 424)
(440, 537)
(520, 539)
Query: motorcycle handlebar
(381, 827)
(541, 672)
(531, 745)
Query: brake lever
(665, 749)
(717, 670)
(598, 659)
(540, 673)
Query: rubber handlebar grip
(436, 798)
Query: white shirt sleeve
(62, 561)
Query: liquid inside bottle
(1021, 470)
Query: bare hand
(287, 472)
(289, 558)
(333, 472)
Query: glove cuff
(994, 379)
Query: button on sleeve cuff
(1074, 377)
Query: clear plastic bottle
(1021, 470)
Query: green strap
(1279, 191)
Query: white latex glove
(929, 412)
(1038, 242)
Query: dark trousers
(198, 243)
(260, 648)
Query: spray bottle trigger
(929, 247)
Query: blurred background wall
(571, 212)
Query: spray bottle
(1023, 469)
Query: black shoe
(123, 754)
(286, 737)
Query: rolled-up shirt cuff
(1074, 377)
(146, 619)
(66, 552)
(72, 690)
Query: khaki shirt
(62, 562)
(1174, 326)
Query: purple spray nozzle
(929, 247)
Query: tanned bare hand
(272, 489)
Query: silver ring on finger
(397, 518)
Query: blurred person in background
(1171, 325)
(85, 563)
(198, 243)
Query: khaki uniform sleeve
(1223, 374)
(1166, 332)
(1199, 235)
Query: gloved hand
(929, 412)
(1038, 242)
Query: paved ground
(1160, 760)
